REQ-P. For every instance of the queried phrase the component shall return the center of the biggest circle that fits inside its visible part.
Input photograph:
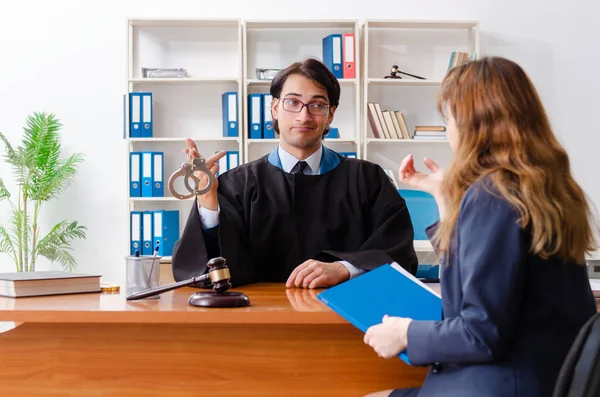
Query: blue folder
(388, 289)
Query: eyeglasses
(296, 106)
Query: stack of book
(21, 284)
(460, 57)
(387, 124)
(429, 132)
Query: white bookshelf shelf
(421, 25)
(184, 80)
(156, 199)
(268, 82)
(422, 246)
(316, 24)
(408, 81)
(405, 141)
(327, 141)
(182, 139)
(594, 256)
(262, 141)
(340, 140)
(184, 22)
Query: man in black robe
(303, 214)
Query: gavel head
(219, 274)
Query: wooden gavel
(218, 274)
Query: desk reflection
(305, 300)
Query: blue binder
(135, 115)
(135, 174)
(255, 116)
(428, 271)
(223, 161)
(147, 115)
(166, 230)
(230, 114)
(233, 159)
(388, 289)
(140, 114)
(147, 174)
(147, 247)
(158, 189)
(135, 232)
(267, 132)
(332, 54)
(422, 209)
(333, 133)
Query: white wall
(68, 57)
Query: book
(388, 289)
(39, 283)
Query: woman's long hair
(504, 133)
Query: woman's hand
(389, 338)
(430, 183)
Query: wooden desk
(286, 343)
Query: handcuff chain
(187, 172)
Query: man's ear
(274, 108)
(330, 116)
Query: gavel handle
(165, 288)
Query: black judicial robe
(271, 221)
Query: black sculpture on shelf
(394, 74)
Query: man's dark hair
(315, 70)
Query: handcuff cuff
(186, 171)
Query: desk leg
(57, 359)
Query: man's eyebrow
(298, 95)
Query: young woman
(513, 232)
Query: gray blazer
(509, 317)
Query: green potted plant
(40, 175)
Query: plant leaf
(41, 149)
(15, 158)
(6, 244)
(56, 180)
(55, 245)
(4, 193)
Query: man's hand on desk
(315, 274)
(304, 300)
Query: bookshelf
(279, 43)
(182, 107)
(222, 55)
(421, 48)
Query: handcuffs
(187, 172)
